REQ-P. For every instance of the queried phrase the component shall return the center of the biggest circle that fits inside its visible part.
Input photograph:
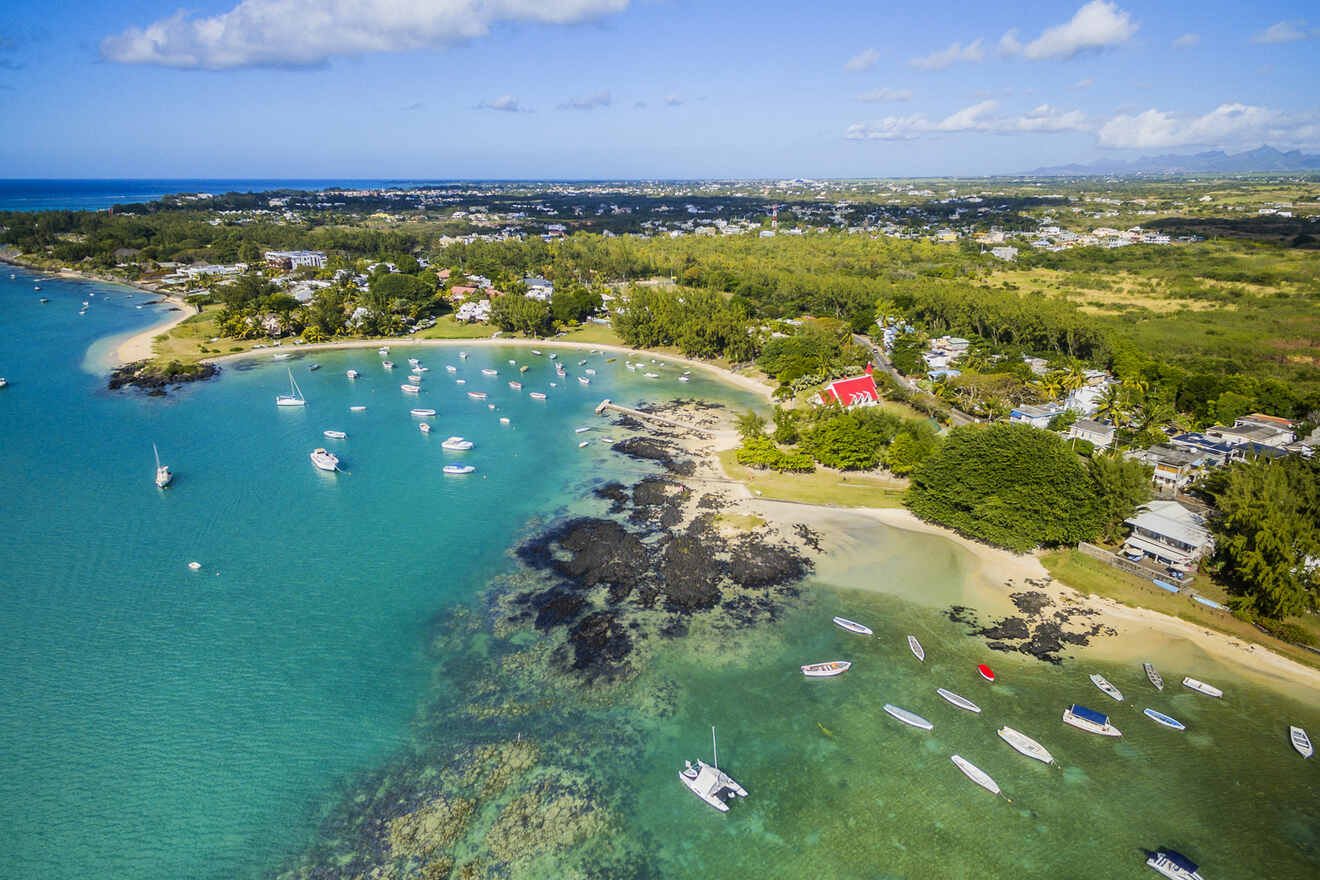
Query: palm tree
(1113, 405)
(1051, 385)
(750, 425)
(1074, 376)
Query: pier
(640, 415)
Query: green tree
(751, 424)
(244, 291)
(1120, 485)
(520, 314)
(1230, 406)
(914, 443)
(393, 285)
(851, 441)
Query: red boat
(986, 672)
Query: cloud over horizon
(1226, 125)
(976, 118)
(308, 33)
(588, 102)
(505, 104)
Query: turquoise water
(159, 722)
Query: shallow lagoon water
(166, 723)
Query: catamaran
(1161, 718)
(907, 717)
(1201, 687)
(1089, 720)
(917, 651)
(708, 781)
(1173, 865)
(959, 701)
(1301, 742)
(976, 774)
(1100, 682)
(825, 670)
(326, 461)
(163, 475)
(1154, 676)
(1025, 745)
(294, 397)
(853, 626)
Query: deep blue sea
(99, 194)
(158, 722)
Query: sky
(595, 89)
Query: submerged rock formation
(1037, 632)
(153, 376)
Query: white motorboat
(4, 383)
(424, 427)
(457, 444)
(450, 368)
(326, 461)
(516, 386)
(917, 651)
(477, 395)
(553, 356)
(1173, 865)
(537, 395)
(1089, 720)
(976, 774)
(460, 381)
(1201, 687)
(357, 408)
(512, 362)
(682, 378)
(1161, 718)
(1301, 742)
(853, 626)
(389, 365)
(581, 430)
(352, 374)
(463, 355)
(1025, 744)
(536, 351)
(825, 670)
(589, 371)
(583, 380)
(383, 350)
(163, 475)
(959, 701)
(335, 435)
(458, 469)
(313, 368)
(415, 378)
(420, 369)
(422, 413)
(584, 443)
(504, 420)
(410, 388)
(294, 397)
(908, 717)
(582, 363)
(490, 372)
(1100, 682)
(1154, 676)
(412, 362)
(652, 375)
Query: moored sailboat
(294, 397)
(708, 781)
(163, 475)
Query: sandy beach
(140, 346)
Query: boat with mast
(294, 397)
(708, 781)
(163, 475)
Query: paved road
(956, 416)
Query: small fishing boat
(584, 443)
(976, 774)
(825, 670)
(457, 444)
(583, 380)
(1173, 865)
(410, 388)
(1301, 742)
(422, 413)
(917, 651)
(282, 356)
(490, 372)
(460, 381)
(581, 430)
(1161, 718)
(43, 299)
(1154, 676)
(451, 368)
(1100, 682)
(516, 386)
(553, 355)
(853, 626)
(463, 355)
(536, 395)
(682, 378)
(522, 369)
(420, 369)
(326, 461)
(313, 368)
(1025, 745)
(4, 383)
(383, 350)
(1201, 687)
(589, 371)
(412, 362)
(652, 375)
(986, 672)
(907, 717)
(512, 362)
(960, 702)
(294, 397)
(335, 435)
(415, 378)
(477, 395)
(536, 351)
(352, 374)
(458, 469)
(582, 363)
(195, 566)
(163, 475)
(357, 408)
(389, 365)
(1089, 720)
(504, 420)
(424, 427)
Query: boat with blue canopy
(1089, 720)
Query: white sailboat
(294, 397)
(163, 475)
(708, 781)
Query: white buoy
(194, 565)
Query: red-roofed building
(859, 391)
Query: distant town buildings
(295, 259)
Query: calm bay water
(159, 722)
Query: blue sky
(641, 88)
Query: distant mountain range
(1263, 158)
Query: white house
(1036, 415)
(473, 310)
(1169, 533)
(294, 259)
(1097, 433)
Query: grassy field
(822, 487)
(1089, 575)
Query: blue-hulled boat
(1173, 865)
(1161, 718)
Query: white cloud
(673, 101)
(945, 58)
(505, 103)
(1282, 32)
(976, 118)
(305, 33)
(587, 102)
(1225, 126)
(1084, 83)
(1187, 41)
(1097, 25)
(863, 60)
(885, 96)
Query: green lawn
(822, 487)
